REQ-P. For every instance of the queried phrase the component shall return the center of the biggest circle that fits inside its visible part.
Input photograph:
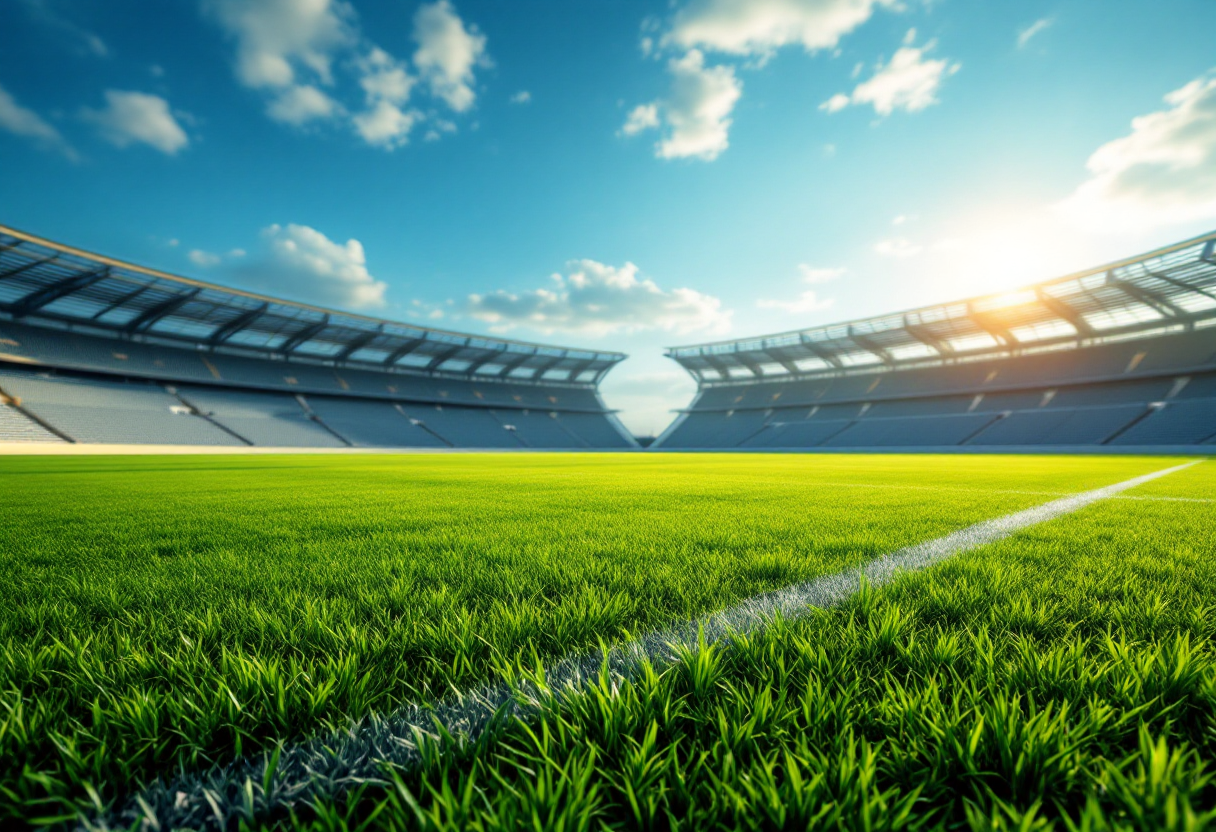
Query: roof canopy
(1170, 289)
(48, 282)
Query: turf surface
(1063, 678)
(167, 613)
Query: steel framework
(1172, 289)
(45, 282)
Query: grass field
(162, 615)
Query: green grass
(1064, 678)
(164, 614)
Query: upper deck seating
(127, 358)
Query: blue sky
(618, 175)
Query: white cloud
(385, 125)
(277, 37)
(836, 103)
(812, 275)
(289, 47)
(204, 259)
(698, 109)
(1162, 173)
(909, 82)
(696, 114)
(292, 48)
(808, 301)
(138, 118)
(301, 104)
(522, 97)
(302, 262)
(1033, 29)
(596, 299)
(759, 27)
(24, 122)
(641, 117)
(447, 53)
(386, 87)
(899, 247)
(384, 78)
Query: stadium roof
(46, 282)
(1170, 289)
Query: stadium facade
(96, 350)
(1121, 357)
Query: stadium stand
(16, 426)
(119, 412)
(372, 424)
(1119, 357)
(96, 350)
(260, 418)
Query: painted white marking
(327, 766)
(970, 490)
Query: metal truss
(1172, 289)
(45, 282)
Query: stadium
(1117, 358)
(697, 416)
(241, 643)
(100, 351)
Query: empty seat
(1201, 386)
(269, 419)
(538, 430)
(1148, 390)
(371, 424)
(698, 430)
(594, 429)
(1182, 422)
(915, 431)
(465, 427)
(919, 407)
(95, 411)
(15, 426)
(806, 434)
(1060, 426)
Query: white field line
(972, 490)
(266, 786)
